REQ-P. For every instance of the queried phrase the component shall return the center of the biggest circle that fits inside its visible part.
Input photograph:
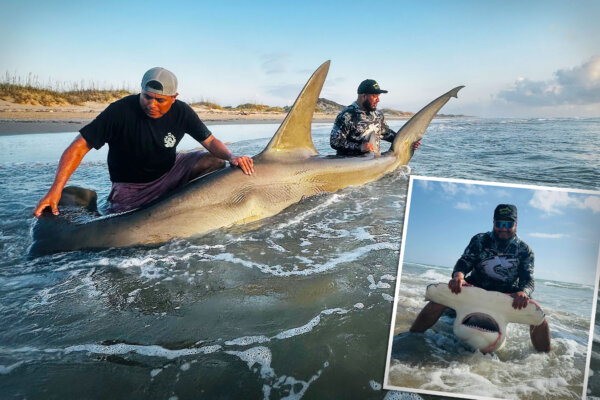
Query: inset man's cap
(369, 86)
(505, 212)
(160, 81)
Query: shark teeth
(481, 322)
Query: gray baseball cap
(160, 81)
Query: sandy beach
(27, 118)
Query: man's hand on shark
(243, 162)
(367, 146)
(457, 282)
(520, 300)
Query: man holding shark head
(142, 132)
(498, 261)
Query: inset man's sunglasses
(504, 224)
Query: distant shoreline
(26, 119)
(30, 126)
(56, 125)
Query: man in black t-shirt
(142, 132)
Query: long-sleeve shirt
(493, 265)
(354, 126)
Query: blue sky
(562, 227)
(517, 58)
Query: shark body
(286, 171)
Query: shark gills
(287, 170)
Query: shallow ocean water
(297, 305)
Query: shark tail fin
(414, 129)
(293, 138)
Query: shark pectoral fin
(252, 203)
(414, 129)
(293, 138)
(530, 315)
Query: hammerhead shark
(482, 316)
(286, 171)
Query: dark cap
(369, 86)
(505, 212)
(160, 81)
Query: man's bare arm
(69, 161)
(218, 149)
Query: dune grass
(208, 104)
(253, 107)
(30, 91)
(246, 107)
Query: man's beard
(502, 241)
(367, 106)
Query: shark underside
(482, 316)
(286, 171)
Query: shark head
(480, 331)
(482, 315)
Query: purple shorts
(126, 196)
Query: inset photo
(496, 291)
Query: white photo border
(386, 384)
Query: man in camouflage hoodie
(359, 128)
(499, 261)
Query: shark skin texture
(286, 171)
(482, 315)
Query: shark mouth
(481, 322)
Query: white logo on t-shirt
(170, 140)
(501, 267)
(369, 131)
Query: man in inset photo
(498, 261)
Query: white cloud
(285, 91)
(548, 235)
(579, 85)
(425, 185)
(593, 203)
(474, 189)
(461, 205)
(501, 193)
(275, 63)
(553, 202)
(450, 188)
(466, 188)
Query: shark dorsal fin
(293, 139)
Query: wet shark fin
(414, 128)
(293, 139)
